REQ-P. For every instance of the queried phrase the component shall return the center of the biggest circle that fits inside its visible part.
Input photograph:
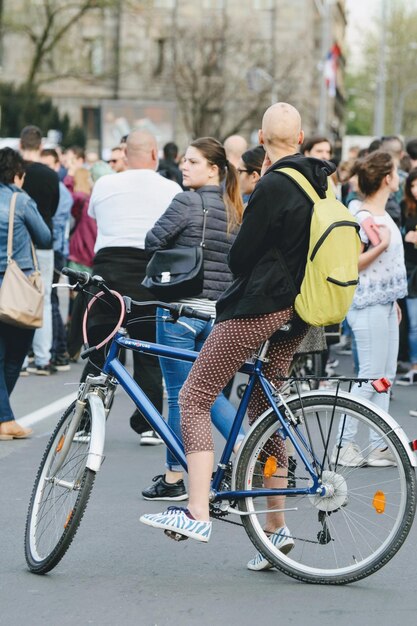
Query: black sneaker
(160, 490)
(138, 423)
(41, 370)
(61, 363)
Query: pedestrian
(409, 206)
(181, 226)
(375, 315)
(235, 146)
(168, 166)
(249, 170)
(117, 159)
(125, 207)
(42, 185)
(28, 226)
(60, 228)
(259, 302)
(82, 241)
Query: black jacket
(42, 185)
(181, 226)
(277, 216)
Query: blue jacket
(61, 221)
(28, 224)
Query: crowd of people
(109, 218)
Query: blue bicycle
(346, 522)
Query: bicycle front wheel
(367, 510)
(60, 494)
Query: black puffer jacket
(181, 226)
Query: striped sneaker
(282, 540)
(178, 521)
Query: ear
(261, 137)
(255, 177)
(301, 137)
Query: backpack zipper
(327, 231)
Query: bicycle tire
(352, 539)
(55, 513)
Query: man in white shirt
(125, 207)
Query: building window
(160, 56)
(96, 57)
(91, 122)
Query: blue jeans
(376, 333)
(42, 340)
(187, 334)
(14, 344)
(412, 328)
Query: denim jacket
(28, 224)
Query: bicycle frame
(114, 367)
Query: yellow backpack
(331, 273)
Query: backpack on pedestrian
(331, 272)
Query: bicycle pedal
(175, 536)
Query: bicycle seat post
(263, 351)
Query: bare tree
(220, 78)
(47, 24)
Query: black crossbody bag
(178, 272)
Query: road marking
(55, 407)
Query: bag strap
(10, 235)
(205, 211)
(305, 185)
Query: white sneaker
(150, 438)
(282, 540)
(410, 378)
(176, 521)
(381, 458)
(349, 455)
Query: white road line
(55, 407)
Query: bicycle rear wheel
(367, 512)
(59, 497)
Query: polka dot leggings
(228, 346)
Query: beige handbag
(21, 296)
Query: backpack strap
(305, 185)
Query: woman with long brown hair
(409, 206)
(205, 171)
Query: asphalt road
(120, 572)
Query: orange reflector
(379, 502)
(67, 521)
(270, 466)
(60, 444)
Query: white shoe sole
(167, 498)
(381, 463)
(265, 564)
(181, 531)
(150, 442)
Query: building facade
(181, 67)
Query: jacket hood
(315, 170)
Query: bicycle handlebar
(177, 310)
